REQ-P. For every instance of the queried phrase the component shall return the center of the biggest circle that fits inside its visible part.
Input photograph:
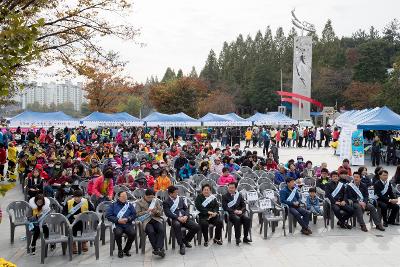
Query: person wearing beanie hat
(290, 196)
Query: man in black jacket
(178, 213)
(386, 199)
(233, 203)
(180, 162)
(357, 192)
(336, 192)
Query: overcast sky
(180, 33)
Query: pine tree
(210, 71)
(179, 74)
(193, 73)
(169, 75)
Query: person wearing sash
(290, 196)
(40, 207)
(335, 191)
(386, 199)
(72, 209)
(178, 214)
(149, 212)
(233, 203)
(122, 213)
(208, 208)
(357, 192)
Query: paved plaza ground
(325, 247)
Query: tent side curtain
(43, 119)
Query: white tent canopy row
(96, 119)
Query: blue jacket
(285, 193)
(312, 202)
(113, 210)
(186, 171)
(279, 178)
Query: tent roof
(32, 116)
(100, 116)
(383, 119)
(272, 118)
(179, 119)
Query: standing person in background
(311, 139)
(289, 137)
(255, 135)
(294, 137)
(335, 134)
(278, 137)
(327, 135)
(376, 151)
(305, 135)
(266, 140)
(12, 162)
(248, 135)
(300, 143)
(3, 161)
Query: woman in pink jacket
(226, 177)
(103, 187)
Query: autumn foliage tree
(106, 87)
(219, 102)
(360, 95)
(178, 95)
(42, 32)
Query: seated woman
(308, 170)
(226, 177)
(208, 208)
(40, 207)
(162, 182)
(231, 165)
(293, 172)
(35, 184)
(271, 165)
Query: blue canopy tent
(383, 119)
(271, 118)
(43, 119)
(166, 120)
(114, 119)
(236, 120)
(211, 119)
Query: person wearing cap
(335, 191)
(179, 216)
(280, 174)
(103, 187)
(217, 166)
(75, 206)
(149, 211)
(290, 196)
(162, 182)
(136, 169)
(300, 165)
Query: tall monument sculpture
(302, 67)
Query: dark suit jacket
(182, 208)
(353, 196)
(341, 196)
(240, 204)
(378, 187)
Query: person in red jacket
(3, 160)
(271, 164)
(103, 187)
(126, 179)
